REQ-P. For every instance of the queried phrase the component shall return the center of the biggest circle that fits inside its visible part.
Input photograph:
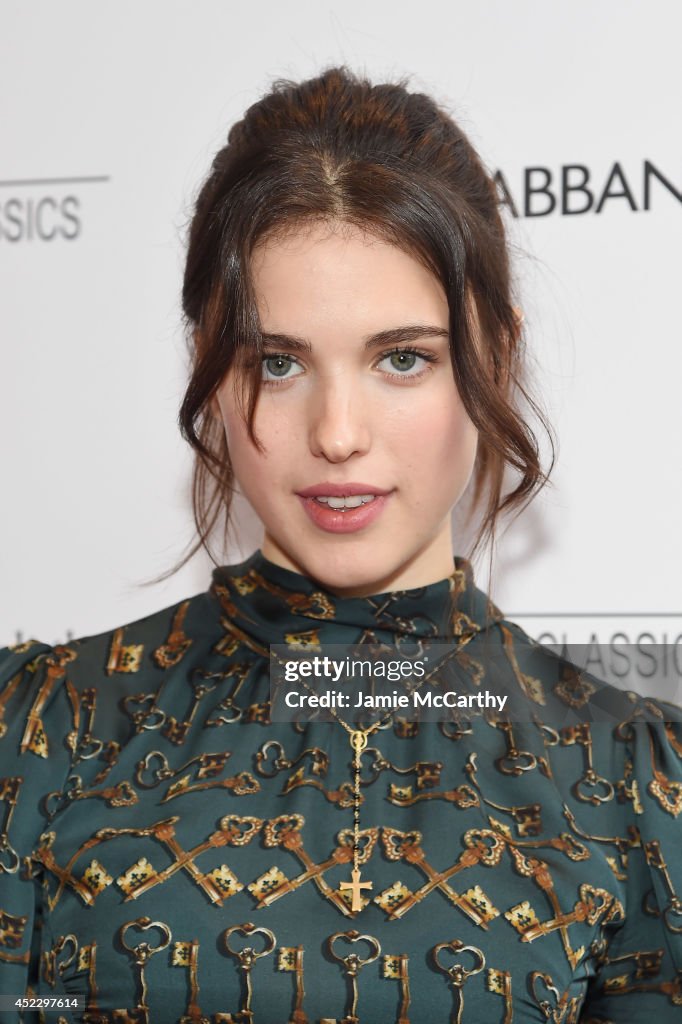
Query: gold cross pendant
(355, 886)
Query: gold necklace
(358, 742)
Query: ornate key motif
(501, 983)
(64, 876)
(462, 796)
(52, 964)
(593, 904)
(640, 964)
(88, 745)
(636, 973)
(398, 899)
(404, 728)
(11, 688)
(176, 646)
(396, 967)
(241, 784)
(228, 711)
(285, 831)
(87, 961)
(590, 787)
(233, 638)
(514, 761)
(621, 843)
(532, 688)
(120, 795)
(85, 957)
(218, 884)
(110, 755)
(313, 764)
(550, 735)
(186, 954)
(352, 965)
(271, 759)
(9, 792)
(123, 657)
(141, 954)
(316, 605)
(456, 728)
(148, 777)
(12, 932)
(35, 738)
(672, 913)
(290, 958)
(474, 668)
(246, 957)
(556, 1007)
(627, 788)
(143, 710)
(664, 790)
(458, 975)
(574, 688)
(154, 769)
(202, 684)
(523, 917)
(527, 816)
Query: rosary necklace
(358, 741)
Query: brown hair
(394, 163)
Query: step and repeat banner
(111, 115)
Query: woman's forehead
(321, 274)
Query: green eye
(403, 360)
(278, 366)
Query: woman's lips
(344, 521)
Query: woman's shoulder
(157, 640)
(625, 745)
(48, 692)
(569, 683)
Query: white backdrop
(111, 114)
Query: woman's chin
(360, 573)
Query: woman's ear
(520, 317)
(213, 405)
(214, 408)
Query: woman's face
(346, 408)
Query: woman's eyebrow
(391, 336)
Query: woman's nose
(339, 420)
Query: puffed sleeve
(37, 721)
(639, 976)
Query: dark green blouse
(167, 853)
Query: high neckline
(272, 604)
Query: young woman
(171, 849)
